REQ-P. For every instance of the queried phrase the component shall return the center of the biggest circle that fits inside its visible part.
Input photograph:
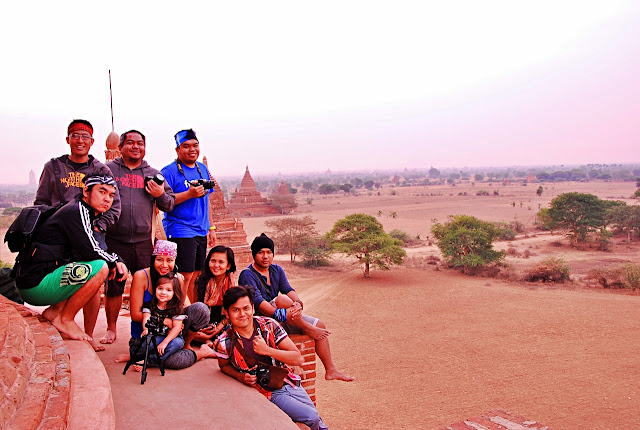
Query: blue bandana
(184, 135)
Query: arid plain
(431, 347)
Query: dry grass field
(430, 347)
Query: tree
(284, 203)
(346, 188)
(578, 214)
(327, 189)
(363, 237)
(478, 177)
(292, 234)
(434, 173)
(467, 242)
(539, 191)
(368, 184)
(626, 218)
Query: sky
(290, 87)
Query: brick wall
(34, 371)
(307, 371)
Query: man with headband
(61, 181)
(188, 224)
(65, 265)
(274, 297)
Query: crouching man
(65, 266)
(254, 343)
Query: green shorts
(62, 283)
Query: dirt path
(429, 348)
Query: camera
(154, 325)
(262, 374)
(208, 185)
(158, 178)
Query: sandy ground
(429, 348)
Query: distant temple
(32, 178)
(247, 201)
(229, 230)
(283, 200)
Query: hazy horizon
(291, 88)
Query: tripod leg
(132, 358)
(143, 378)
(155, 348)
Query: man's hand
(260, 346)
(197, 191)
(120, 269)
(154, 189)
(248, 379)
(211, 238)
(295, 311)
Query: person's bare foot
(318, 333)
(49, 314)
(206, 352)
(109, 337)
(70, 328)
(137, 367)
(335, 374)
(96, 346)
(121, 358)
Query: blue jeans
(295, 402)
(174, 346)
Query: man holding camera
(188, 224)
(141, 187)
(256, 351)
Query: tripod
(149, 339)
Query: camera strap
(181, 170)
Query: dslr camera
(208, 185)
(158, 178)
(262, 374)
(154, 325)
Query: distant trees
(625, 218)
(327, 189)
(578, 214)
(478, 177)
(363, 237)
(346, 188)
(467, 242)
(434, 173)
(293, 234)
(284, 203)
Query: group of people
(105, 227)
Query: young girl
(214, 280)
(167, 306)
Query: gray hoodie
(61, 182)
(136, 207)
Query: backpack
(21, 233)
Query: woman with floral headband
(163, 261)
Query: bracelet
(213, 227)
(280, 315)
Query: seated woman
(214, 280)
(163, 261)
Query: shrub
(512, 252)
(551, 269)
(399, 234)
(516, 226)
(625, 276)
(482, 193)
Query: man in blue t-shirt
(188, 224)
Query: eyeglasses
(77, 136)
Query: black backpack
(21, 232)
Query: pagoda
(247, 201)
(229, 230)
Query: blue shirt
(279, 283)
(191, 217)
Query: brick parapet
(307, 372)
(34, 371)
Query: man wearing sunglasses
(62, 181)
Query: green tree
(327, 189)
(292, 234)
(467, 242)
(624, 217)
(434, 173)
(478, 177)
(363, 237)
(578, 214)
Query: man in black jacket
(65, 265)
